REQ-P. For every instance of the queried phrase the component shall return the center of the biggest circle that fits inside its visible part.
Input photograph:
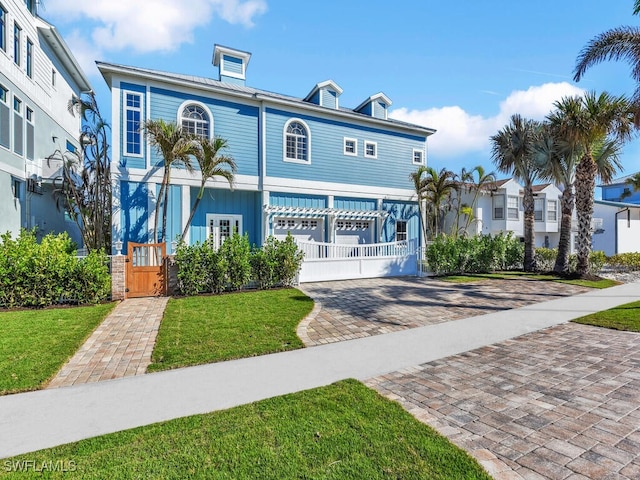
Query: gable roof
(327, 83)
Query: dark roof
(539, 188)
(241, 90)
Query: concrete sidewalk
(46, 418)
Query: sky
(462, 68)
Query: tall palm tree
(513, 153)
(621, 43)
(462, 180)
(593, 122)
(438, 190)
(212, 164)
(477, 185)
(419, 179)
(177, 148)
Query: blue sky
(461, 67)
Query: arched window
(195, 120)
(297, 141)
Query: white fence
(330, 261)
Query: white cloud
(459, 132)
(145, 26)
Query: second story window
(512, 208)
(552, 211)
(133, 117)
(5, 118)
(498, 207)
(371, 149)
(17, 43)
(351, 146)
(296, 142)
(30, 134)
(18, 127)
(195, 120)
(29, 58)
(3, 28)
(418, 156)
(538, 210)
(31, 5)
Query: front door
(221, 227)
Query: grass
(342, 431)
(34, 344)
(214, 328)
(476, 277)
(624, 317)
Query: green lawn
(342, 431)
(34, 344)
(602, 283)
(214, 328)
(624, 317)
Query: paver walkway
(121, 345)
(361, 308)
(561, 403)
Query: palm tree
(481, 184)
(513, 153)
(177, 148)
(621, 43)
(419, 184)
(212, 164)
(591, 123)
(438, 189)
(461, 179)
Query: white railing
(322, 250)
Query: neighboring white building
(617, 228)
(499, 209)
(38, 76)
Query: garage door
(351, 232)
(303, 229)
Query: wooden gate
(145, 270)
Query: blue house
(306, 166)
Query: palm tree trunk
(158, 202)
(564, 244)
(529, 231)
(585, 186)
(165, 204)
(193, 210)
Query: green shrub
(264, 263)
(237, 253)
(288, 260)
(36, 274)
(545, 259)
(192, 269)
(597, 260)
(625, 261)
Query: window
(17, 104)
(418, 156)
(291, 224)
(371, 149)
(16, 187)
(297, 142)
(29, 58)
(70, 147)
(18, 127)
(17, 31)
(538, 209)
(498, 207)
(350, 146)
(30, 134)
(3, 28)
(552, 211)
(31, 5)
(195, 120)
(281, 223)
(304, 223)
(314, 224)
(401, 231)
(53, 77)
(133, 117)
(5, 118)
(512, 208)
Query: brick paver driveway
(561, 403)
(360, 308)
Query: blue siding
(329, 98)
(297, 200)
(232, 64)
(401, 211)
(134, 213)
(328, 163)
(315, 98)
(379, 109)
(174, 214)
(354, 203)
(131, 162)
(235, 122)
(237, 202)
(366, 109)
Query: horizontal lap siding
(134, 212)
(328, 163)
(235, 122)
(226, 202)
(132, 162)
(329, 98)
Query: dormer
(325, 94)
(375, 106)
(232, 64)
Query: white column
(266, 231)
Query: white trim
(182, 177)
(284, 142)
(377, 96)
(147, 139)
(549, 202)
(413, 156)
(123, 112)
(186, 103)
(219, 52)
(355, 146)
(215, 218)
(116, 124)
(507, 207)
(375, 149)
(185, 211)
(289, 185)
